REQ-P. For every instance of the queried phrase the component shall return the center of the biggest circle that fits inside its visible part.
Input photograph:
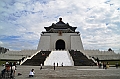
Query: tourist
(116, 65)
(7, 69)
(6, 63)
(100, 65)
(14, 68)
(40, 66)
(11, 73)
(104, 65)
(57, 64)
(107, 65)
(54, 65)
(62, 64)
(18, 62)
(31, 74)
(97, 61)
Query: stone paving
(74, 72)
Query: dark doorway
(60, 45)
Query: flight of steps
(38, 59)
(80, 59)
(60, 58)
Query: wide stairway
(80, 59)
(68, 58)
(59, 57)
(38, 59)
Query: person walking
(11, 70)
(54, 65)
(57, 64)
(62, 64)
(116, 65)
(14, 68)
(41, 66)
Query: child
(31, 74)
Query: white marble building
(61, 36)
(49, 41)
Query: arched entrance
(60, 45)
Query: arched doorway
(60, 45)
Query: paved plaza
(74, 72)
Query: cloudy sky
(22, 21)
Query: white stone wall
(44, 43)
(97, 52)
(76, 43)
(108, 57)
(17, 55)
(102, 55)
(21, 53)
(48, 41)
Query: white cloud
(19, 6)
(1, 43)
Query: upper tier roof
(60, 26)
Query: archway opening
(60, 45)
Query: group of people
(9, 68)
(105, 65)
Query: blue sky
(22, 21)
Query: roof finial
(60, 19)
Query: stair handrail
(89, 57)
(29, 57)
(70, 57)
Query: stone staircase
(37, 59)
(59, 57)
(80, 59)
